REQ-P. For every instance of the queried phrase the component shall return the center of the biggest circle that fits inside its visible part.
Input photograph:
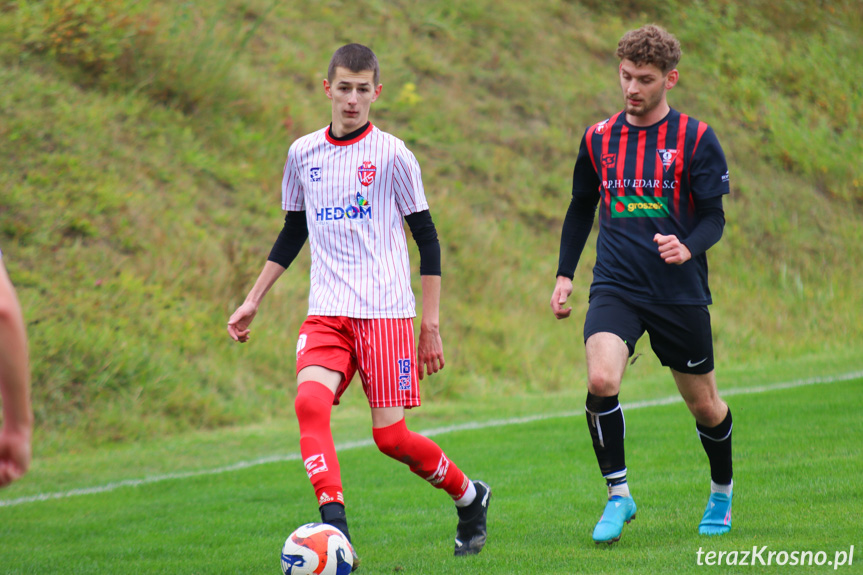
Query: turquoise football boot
(717, 516)
(618, 510)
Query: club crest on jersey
(667, 157)
(315, 174)
(608, 160)
(366, 173)
(601, 127)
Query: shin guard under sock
(607, 430)
(313, 405)
(717, 445)
(424, 457)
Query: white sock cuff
(717, 488)
(468, 496)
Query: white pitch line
(428, 433)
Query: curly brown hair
(650, 44)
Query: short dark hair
(356, 58)
(650, 44)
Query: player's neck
(653, 117)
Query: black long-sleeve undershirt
(576, 229)
(708, 230)
(425, 235)
(290, 240)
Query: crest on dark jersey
(667, 157)
(600, 127)
(366, 173)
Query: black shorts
(680, 335)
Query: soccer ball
(317, 548)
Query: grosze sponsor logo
(361, 212)
(639, 207)
(315, 464)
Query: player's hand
(672, 250)
(430, 351)
(14, 456)
(238, 324)
(562, 291)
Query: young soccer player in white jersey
(347, 187)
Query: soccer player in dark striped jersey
(657, 177)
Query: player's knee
(309, 407)
(389, 439)
(387, 446)
(708, 411)
(603, 384)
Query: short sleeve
(407, 182)
(293, 192)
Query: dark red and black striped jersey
(649, 180)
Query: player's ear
(377, 92)
(671, 79)
(327, 89)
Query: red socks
(313, 405)
(422, 455)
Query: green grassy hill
(142, 143)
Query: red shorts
(381, 350)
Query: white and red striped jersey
(355, 194)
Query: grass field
(798, 454)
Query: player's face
(644, 90)
(352, 94)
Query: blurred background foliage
(142, 142)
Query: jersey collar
(351, 138)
